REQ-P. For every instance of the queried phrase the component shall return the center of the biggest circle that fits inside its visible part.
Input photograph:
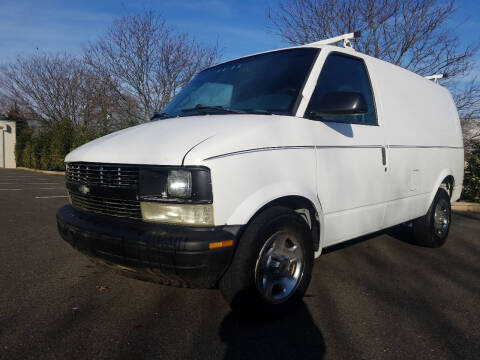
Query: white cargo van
(259, 164)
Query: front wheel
(272, 265)
(432, 229)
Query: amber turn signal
(220, 244)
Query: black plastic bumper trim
(162, 253)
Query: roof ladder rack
(345, 37)
(436, 77)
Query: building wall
(7, 144)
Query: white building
(7, 144)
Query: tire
(264, 277)
(432, 229)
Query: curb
(42, 171)
(463, 206)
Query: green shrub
(82, 135)
(27, 155)
(23, 138)
(46, 148)
(44, 159)
(35, 155)
(471, 181)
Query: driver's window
(343, 73)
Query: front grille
(106, 206)
(103, 174)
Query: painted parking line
(38, 183)
(41, 183)
(22, 180)
(35, 189)
(51, 197)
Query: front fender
(258, 199)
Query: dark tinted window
(344, 74)
(265, 83)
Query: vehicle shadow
(403, 232)
(468, 215)
(293, 336)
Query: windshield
(263, 84)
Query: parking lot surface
(378, 297)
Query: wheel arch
(445, 180)
(308, 209)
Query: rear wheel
(432, 229)
(272, 266)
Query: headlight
(178, 214)
(176, 195)
(182, 184)
(179, 184)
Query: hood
(166, 142)
(163, 142)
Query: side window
(342, 73)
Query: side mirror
(341, 103)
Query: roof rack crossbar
(436, 77)
(345, 38)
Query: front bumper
(171, 255)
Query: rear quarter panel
(423, 136)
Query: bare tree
(410, 33)
(56, 88)
(414, 34)
(5, 104)
(467, 98)
(143, 58)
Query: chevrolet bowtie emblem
(84, 189)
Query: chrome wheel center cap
(279, 267)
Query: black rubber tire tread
(423, 228)
(238, 283)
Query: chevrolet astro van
(259, 164)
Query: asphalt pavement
(378, 297)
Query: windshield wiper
(159, 115)
(258, 111)
(203, 108)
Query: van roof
(345, 50)
(312, 45)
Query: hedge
(471, 181)
(46, 149)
